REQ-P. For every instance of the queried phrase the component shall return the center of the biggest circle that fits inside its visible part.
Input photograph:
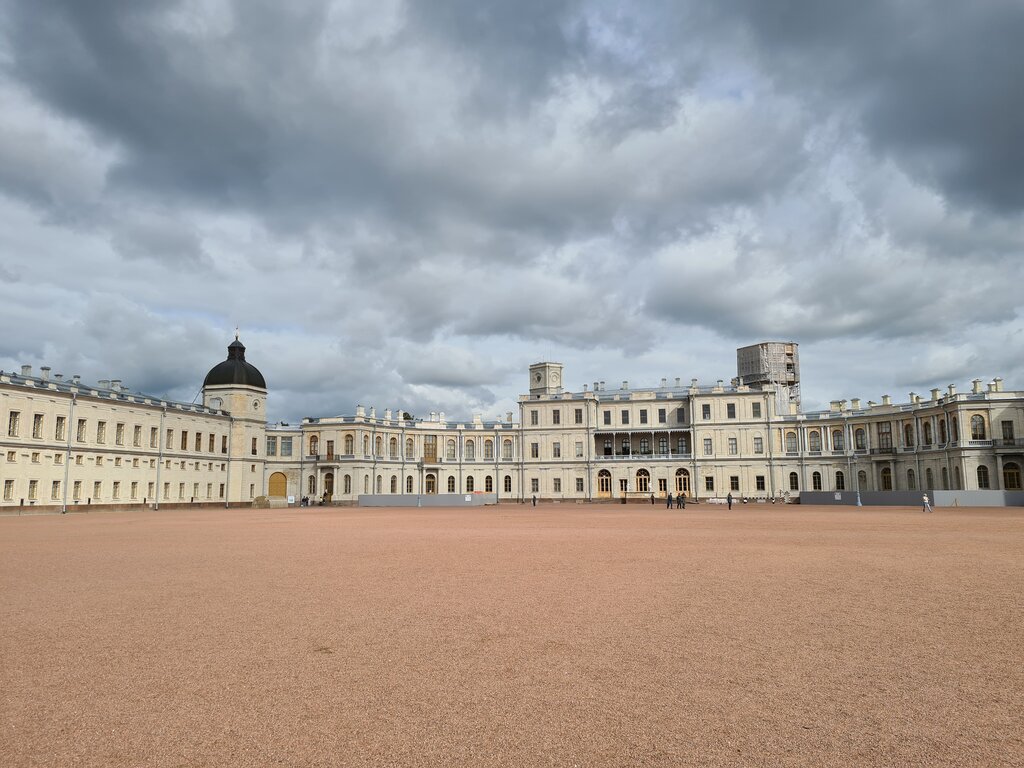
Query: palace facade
(66, 444)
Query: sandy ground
(561, 635)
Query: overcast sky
(405, 204)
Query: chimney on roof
(360, 411)
(677, 381)
(951, 389)
(664, 382)
(104, 383)
(595, 385)
(115, 384)
(976, 386)
(508, 416)
(373, 412)
(76, 379)
(58, 377)
(991, 386)
(44, 373)
(440, 417)
(935, 394)
(602, 385)
(387, 414)
(855, 403)
(625, 384)
(886, 400)
(998, 381)
(26, 370)
(584, 387)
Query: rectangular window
(286, 446)
(80, 431)
(152, 437)
(199, 442)
(150, 490)
(136, 436)
(211, 443)
(8, 490)
(221, 491)
(223, 443)
(167, 491)
(181, 490)
(578, 416)
(623, 485)
(755, 411)
(730, 410)
(135, 490)
(1008, 431)
(255, 447)
(119, 434)
(579, 485)
(709, 483)
(252, 491)
(625, 416)
(271, 446)
(734, 482)
(733, 447)
(135, 462)
(534, 450)
(705, 411)
(35, 457)
(662, 416)
(58, 458)
(643, 415)
(759, 482)
(12, 456)
(607, 417)
(76, 491)
(556, 417)
(33, 489)
(209, 490)
(662, 484)
(534, 484)
(13, 424)
(169, 442)
(534, 418)
(680, 415)
(579, 449)
(195, 491)
(37, 426)
(184, 440)
(79, 459)
(116, 490)
(556, 450)
(97, 489)
(557, 485)
(61, 426)
(885, 435)
(758, 445)
(99, 461)
(707, 446)
(101, 432)
(117, 461)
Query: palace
(69, 445)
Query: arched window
(379, 484)
(816, 481)
(927, 433)
(470, 450)
(794, 481)
(625, 446)
(814, 440)
(942, 431)
(929, 479)
(945, 479)
(608, 449)
(840, 481)
(378, 446)
(683, 481)
(791, 442)
(508, 483)
(645, 446)
(488, 449)
(393, 447)
(886, 479)
(366, 483)
(329, 483)
(350, 445)
(469, 484)
(663, 445)
(488, 484)
(506, 449)
(449, 451)
(956, 429)
(604, 481)
(983, 476)
(908, 435)
(314, 445)
(451, 483)
(311, 485)
(409, 448)
(643, 480)
(408, 484)
(683, 446)
(977, 427)
(1011, 476)
(366, 445)
(431, 483)
(862, 480)
(346, 484)
(837, 440)
(394, 484)
(957, 482)
(911, 480)
(858, 439)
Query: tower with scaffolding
(772, 364)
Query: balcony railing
(644, 457)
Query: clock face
(554, 377)
(537, 377)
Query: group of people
(680, 501)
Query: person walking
(728, 500)
(681, 501)
(535, 501)
(668, 504)
(652, 499)
(925, 504)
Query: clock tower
(545, 378)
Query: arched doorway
(1011, 476)
(643, 480)
(604, 484)
(683, 481)
(277, 485)
(431, 483)
(329, 484)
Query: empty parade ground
(558, 635)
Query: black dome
(235, 370)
